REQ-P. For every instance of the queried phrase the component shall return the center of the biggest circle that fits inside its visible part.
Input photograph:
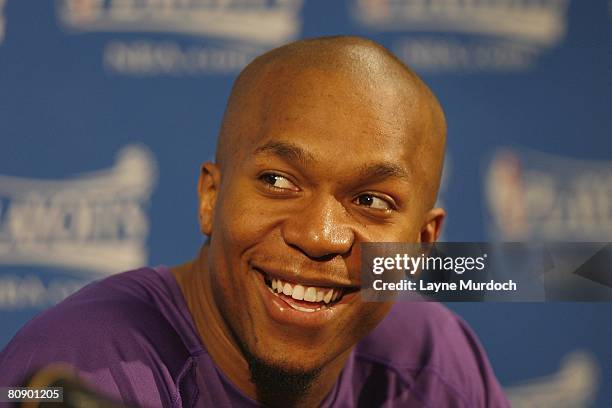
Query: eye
(277, 181)
(371, 201)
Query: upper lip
(320, 279)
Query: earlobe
(432, 227)
(208, 186)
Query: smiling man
(325, 144)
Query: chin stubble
(277, 385)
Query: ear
(208, 187)
(431, 229)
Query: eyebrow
(292, 153)
(287, 151)
(382, 171)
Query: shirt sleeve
(122, 350)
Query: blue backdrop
(108, 108)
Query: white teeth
(310, 295)
(298, 292)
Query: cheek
(239, 225)
(404, 230)
(242, 218)
(406, 227)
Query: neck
(194, 280)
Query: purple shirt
(132, 337)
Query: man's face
(327, 164)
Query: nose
(321, 229)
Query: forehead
(339, 112)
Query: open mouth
(305, 298)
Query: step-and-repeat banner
(108, 108)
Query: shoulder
(112, 331)
(120, 308)
(435, 354)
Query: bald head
(369, 73)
